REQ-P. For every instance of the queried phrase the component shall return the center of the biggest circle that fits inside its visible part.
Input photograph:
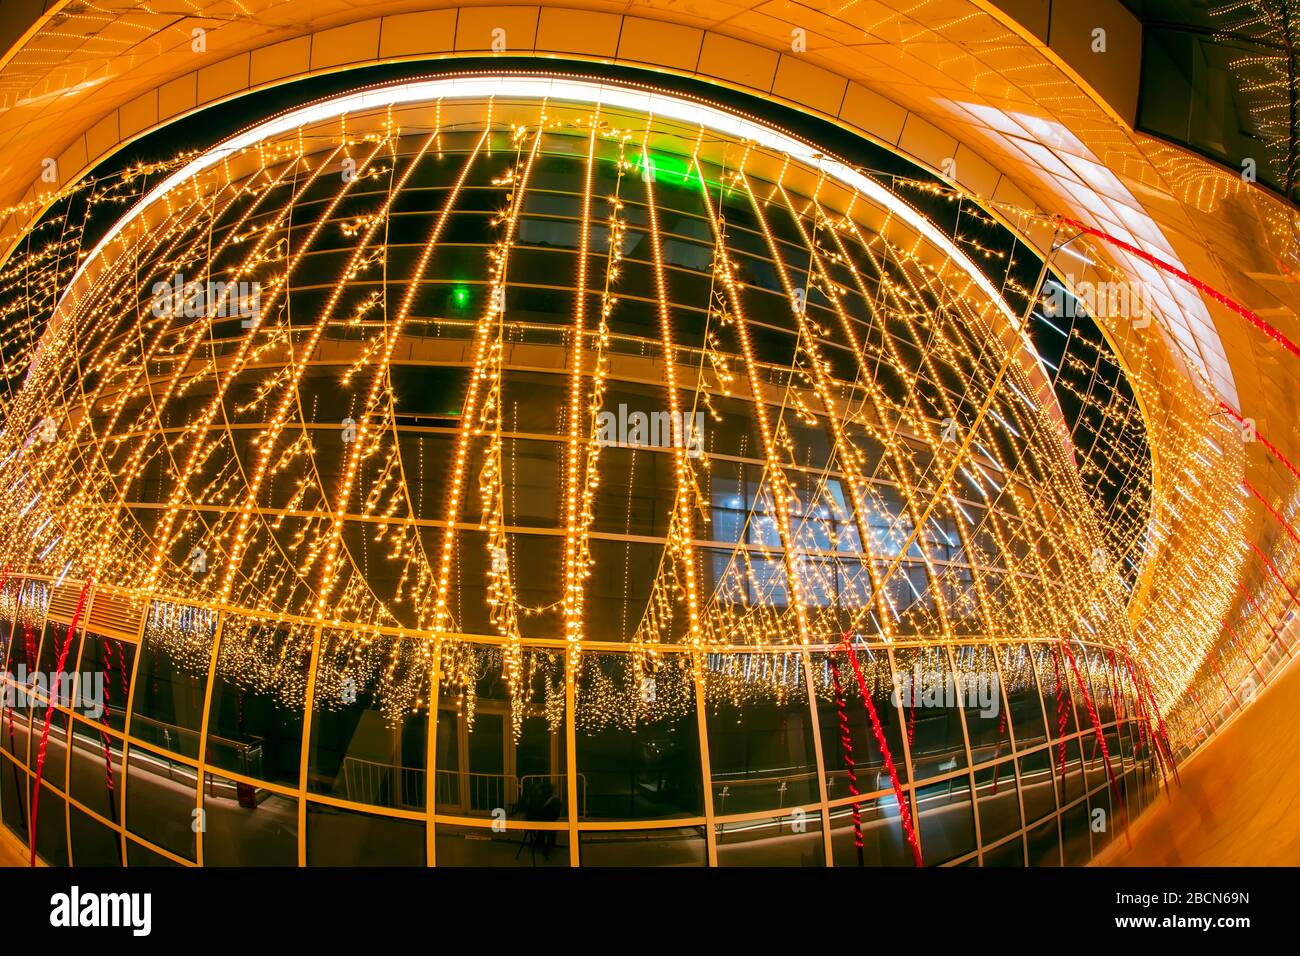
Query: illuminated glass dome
(531, 452)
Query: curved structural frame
(1233, 573)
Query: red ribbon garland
(1101, 738)
(1269, 508)
(846, 741)
(1062, 719)
(904, 814)
(49, 712)
(1002, 727)
(1276, 636)
(1200, 286)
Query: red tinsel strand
(1264, 617)
(1161, 739)
(1273, 450)
(1276, 573)
(904, 813)
(1062, 717)
(1224, 681)
(1203, 287)
(1269, 508)
(1152, 743)
(108, 699)
(1101, 739)
(1139, 709)
(122, 676)
(1205, 717)
(1236, 642)
(49, 713)
(846, 742)
(1002, 727)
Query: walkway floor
(1239, 804)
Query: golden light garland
(884, 457)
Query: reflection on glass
(676, 846)
(1103, 820)
(1075, 839)
(161, 800)
(999, 804)
(95, 777)
(637, 746)
(260, 684)
(494, 758)
(107, 662)
(368, 743)
(840, 707)
(1037, 788)
(883, 842)
(247, 825)
(1021, 689)
(947, 824)
(760, 736)
(931, 710)
(794, 839)
(51, 828)
(980, 688)
(337, 837)
(167, 707)
(482, 846)
(1045, 844)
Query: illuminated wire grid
(211, 436)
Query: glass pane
(637, 739)
(498, 750)
(51, 828)
(247, 825)
(94, 844)
(791, 840)
(883, 843)
(859, 745)
(337, 837)
(947, 824)
(106, 663)
(1021, 688)
(999, 804)
(760, 736)
(255, 727)
(1045, 845)
(368, 745)
(482, 846)
(684, 846)
(1009, 854)
(1075, 841)
(167, 707)
(1103, 821)
(13, 798)
(161, 800)
(980, 690)
(1036, 785)
(96, 772)
(931, 711)
(138, 855)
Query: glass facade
(1221, 79)
(982, 779)
(511, 482)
